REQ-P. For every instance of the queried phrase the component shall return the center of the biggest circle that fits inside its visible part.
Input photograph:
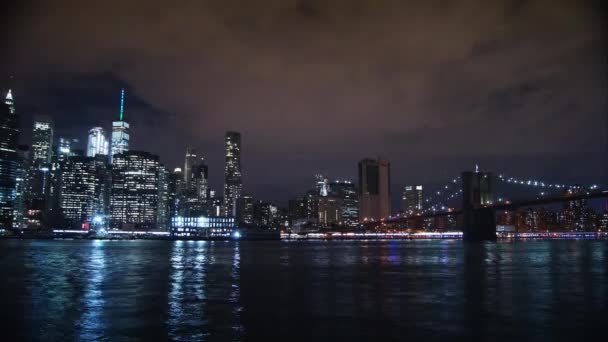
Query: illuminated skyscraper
(120, 130)
(23, 159)
(189, 163)
(97, 143)
(42, 141)
(65, 148)
(84, 189)
(349, 201)
(374, 189)
(135, 194)
(233, 185)
(38, 179)
(412, 199)
(9, 134)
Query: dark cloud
(317, 85)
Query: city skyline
(528, 79)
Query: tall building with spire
(9, 134)
(233, 185)
(120, 130)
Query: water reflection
(92, 324)
(186, 299)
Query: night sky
(433, 86)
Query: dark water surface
(294, 291)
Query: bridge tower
(477, 192)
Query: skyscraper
(23, 159)
(97, 142)
(42, 141)
(412, 199)
(38, 179)
(233, 185)
(374, 189)
(189, 163)
(135, 193)
(120, 130)
(9, 134)
(65, 148)
(83, 194)
(349, 205)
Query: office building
(189, 163)
(39, 172)
(232, 174)
(164, 199)
(42, 141)
(19, 207)
(134, 198)
(120, 131)
(84, 188)
(97, 142)
(374, 189)
(245, 210)
(412, 199)
(9, 160)
(346, 191)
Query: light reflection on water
(355, 290)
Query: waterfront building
(23, 159)
(120, 131)
(233, 185)
(9, 160)
(39, 173)
(97, 142)
(374, 189)
(164, 199)
(134, 198)
(210, 227)
(83, 195)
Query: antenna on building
(122, 103)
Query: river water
(303, 290)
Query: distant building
(42, 141)
(120, 131)
(233, 185)
(346, 192)
(164, 199)
(412, 199)
(39, 173)
(189, 163)
(23, 159)
(84, 191)
(211, 227)
(66, 148)
(374, 189)
(245, 210)
(97, 142)
(9, 160)
(330, 210)
(134, 199)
